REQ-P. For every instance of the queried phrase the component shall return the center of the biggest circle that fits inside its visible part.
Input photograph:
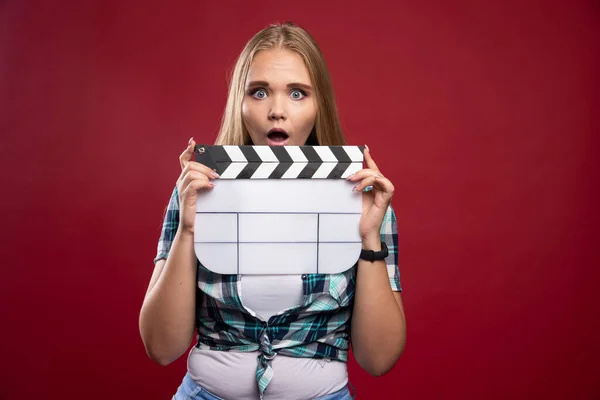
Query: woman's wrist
(372, 242)
(184, 231)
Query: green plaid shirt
(317, 328)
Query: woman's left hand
(376, 201)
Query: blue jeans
(190, 390)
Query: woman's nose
(277, 110)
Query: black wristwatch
(371, 255)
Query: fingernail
(367, 147)
(350, 177)
(354, 188)
(190, 141)
(215, 174)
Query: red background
(484, 115)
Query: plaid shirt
(317, 328)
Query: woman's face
(279, 106)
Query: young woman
(284, 336)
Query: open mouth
(277, 136)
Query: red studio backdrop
(483, 114)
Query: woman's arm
(167, 317)
(378, 330)
(378, 324)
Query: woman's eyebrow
(300, 85)
(289, 85)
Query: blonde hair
(327, 130)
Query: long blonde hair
(327, 130)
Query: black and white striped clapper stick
(281, 162)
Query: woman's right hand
(194, 177)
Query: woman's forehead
(278, 66)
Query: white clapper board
(279, 210)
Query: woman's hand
(194, 177)
(375, 202)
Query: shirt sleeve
(169, 228)
(389, 235)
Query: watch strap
(371, 255)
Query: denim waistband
(191, 390)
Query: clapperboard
(279, 209)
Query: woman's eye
(297, 94)
(259, 93)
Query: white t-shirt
(231, 374)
